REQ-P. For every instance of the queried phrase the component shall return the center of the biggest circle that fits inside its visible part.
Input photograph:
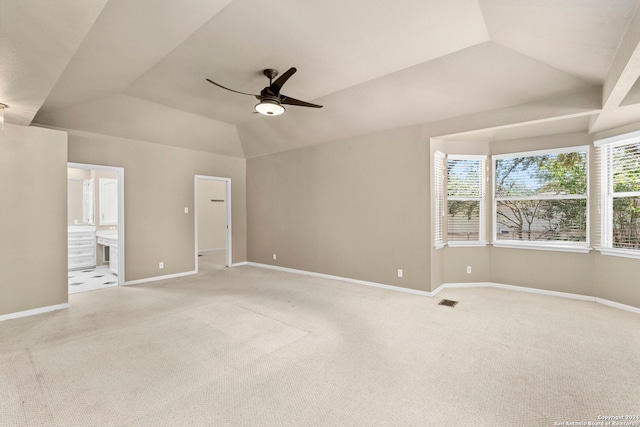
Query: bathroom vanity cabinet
(81, 247)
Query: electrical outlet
(161, 265)
(274, 256)
(400, 273)
(468, 269)
(186, 210)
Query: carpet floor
(253, 347)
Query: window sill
(466, 244)
(625, 253)
(556, 248)
(440, 245)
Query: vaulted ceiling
(137, 69)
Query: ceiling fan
(271, 100)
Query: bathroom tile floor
(91, 279)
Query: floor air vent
(448, 303)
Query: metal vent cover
(448, 302)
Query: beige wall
(33, 218)
(356, 208)
(212, 216)
(591, 274)
(315, 208)
(457, 259)
(549, 270)
(159, 184)
(617, 279)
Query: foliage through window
(621, 195)
(465, 199)
(541, 197)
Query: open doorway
(95, 227)
(213, 220)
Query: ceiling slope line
(118, 66)
(176, 47)
(579, 104)
(625, 67)
(622, 76)
(386, 76)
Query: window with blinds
(465, 199)
(620, 195)
(438, 183)
(540, 198)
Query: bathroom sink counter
(109, 238)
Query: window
(465, 199)
(540, 199)
(620, 195)
(438, 184)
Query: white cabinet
(81, 247)
(108, 201)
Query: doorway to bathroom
(95, 227)
(212, 221)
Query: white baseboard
(33, 312)
(343, 279)
(519, 289)
(156, 278)
(437, 290)
(453, 286)
(618, 305)
(539, 292)
(239, 264)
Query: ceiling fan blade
(280, 81)
(292, 101)
(242, 93)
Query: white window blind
(620, 195)
(465, 199)
(541, 197)
(438, 183)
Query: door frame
(228, 234)
(121, 243)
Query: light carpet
(253, 347)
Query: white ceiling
(137, 69)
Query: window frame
(605, 148)
(482, 239)
(549, 245)
(439, 198)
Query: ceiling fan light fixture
(269, 107)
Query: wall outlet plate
(161, 265)
(400, 273)
(468, 269)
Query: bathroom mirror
(80, 196)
